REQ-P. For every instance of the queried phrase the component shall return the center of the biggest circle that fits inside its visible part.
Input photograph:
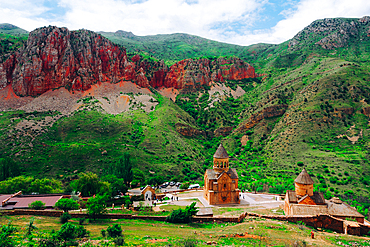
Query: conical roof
(304, 178)
(221, 153)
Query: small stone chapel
(221, 182)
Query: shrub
(300, 163)
(189, 242)
(66, 204)
(185, 186)
(37, 205)
(81, 221)
(119, 241)
(183, 215)
(114, 231)
(69, 231)
(5, 233)
(65, 217)
(103, 233)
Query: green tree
(117, 185)
(89, 184)
(46, 186)
(123, 168)
(8, 168)
(97, 205)
(139, 176)
(66, 204)
(157, 180)
(30, 184)
(37, 205)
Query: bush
(81, 221)
(300, 163)
(66, 204)
(37, 205)
(69, 231)
(119, 241)
(189, 242)
(114, 231)
(185, 186)
(5, 235)
(183, 215)
(103, 233)
(65, 217)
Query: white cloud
(229, 21)
(24, 14)
(301, 16)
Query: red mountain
(56, 57)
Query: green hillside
(175, 47)
(11, 38)
(306, 110)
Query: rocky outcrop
(268, 112)
(338, 112)
(56, 57)
(222, 131)
(333, 32)
(191, 74)
(366, 111)
(187, 130)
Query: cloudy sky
(242, 22)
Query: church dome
(221, 153)
(304, 178)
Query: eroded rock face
(366, 111)
(223, 131)
(337, 32)
(56, 57)
(187, 130)
(191, 74)
(268, 112)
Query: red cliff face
(188, 73)
(192, 73)
(56, 57)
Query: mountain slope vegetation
(309, 107)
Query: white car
(194, 186)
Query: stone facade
(221, 182)
(304, 201)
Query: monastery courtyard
(248, 201)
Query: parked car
(178, 184)
(194, 186)
(172, 183)
(165, 185)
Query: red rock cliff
(192, 73)
(56, 57)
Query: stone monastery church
(221, 182)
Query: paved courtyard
(263, 201)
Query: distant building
(221, 182)
(19, 201)
(304, 201)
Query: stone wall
(316, 221)
(320, 221)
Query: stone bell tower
(221, 160)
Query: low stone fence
(58, 213)
(321, 221)
(316, 221)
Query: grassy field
(252, 232)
